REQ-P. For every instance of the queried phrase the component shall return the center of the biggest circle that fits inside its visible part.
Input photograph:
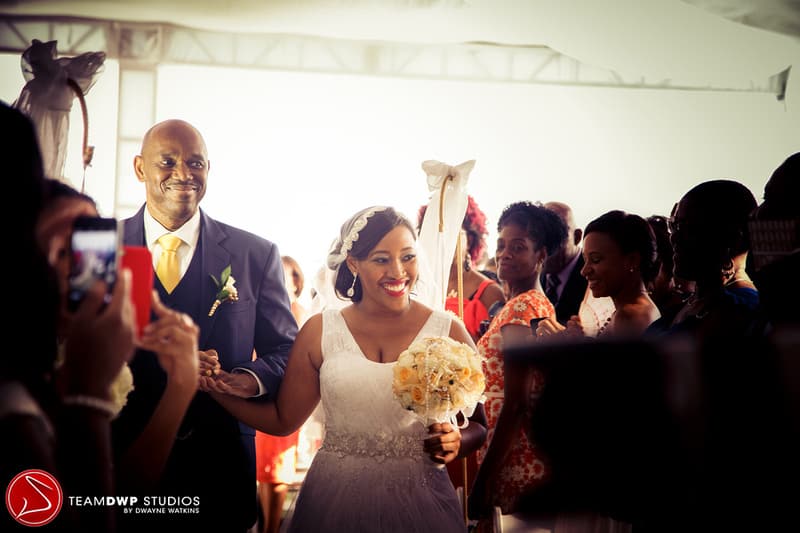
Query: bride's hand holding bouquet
(440, 380)
(444, 442)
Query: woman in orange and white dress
(509, 463)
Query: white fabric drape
(437, 247)
(47, 97)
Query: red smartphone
(140, 262)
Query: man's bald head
(570, 248)
(168, 127)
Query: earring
(351, 291)
(727, 269)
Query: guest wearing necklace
(732, 374)
(708, 230)
(619, 250)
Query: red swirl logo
(34, 498)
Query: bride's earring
(351, 291)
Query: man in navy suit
(561, 276)
(213, 457)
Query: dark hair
(55, 189)
(543, 225)
(24, 182)
(782, 192)
(658, 224)
(632, 234)
(474, 224)
(378, 225)
(297, 274)
(726, 206)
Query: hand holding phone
(94, 245)
(535, 323)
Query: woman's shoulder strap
(482, 287)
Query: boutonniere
(225, 289)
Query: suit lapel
(133, 229)
(213, 261)
(574, 291)
(576, 280)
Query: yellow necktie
(168, 269)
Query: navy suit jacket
(573, 293)
(262, 320)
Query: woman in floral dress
(509, 464)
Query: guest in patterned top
(509, 464)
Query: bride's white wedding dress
(370, 474)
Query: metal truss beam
(149, 44)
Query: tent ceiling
(472, 19)
(714, 43)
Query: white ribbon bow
(438, 172)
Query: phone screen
(535, 323)
(95, 243)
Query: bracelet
(98, 404)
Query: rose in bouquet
(121, 388)
(437, 378)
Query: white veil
(325, 296)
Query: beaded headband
(342, 246)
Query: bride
(379, 468)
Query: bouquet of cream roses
(438, 377)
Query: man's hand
(241, 384)
(209, 363)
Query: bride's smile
(390, 269)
